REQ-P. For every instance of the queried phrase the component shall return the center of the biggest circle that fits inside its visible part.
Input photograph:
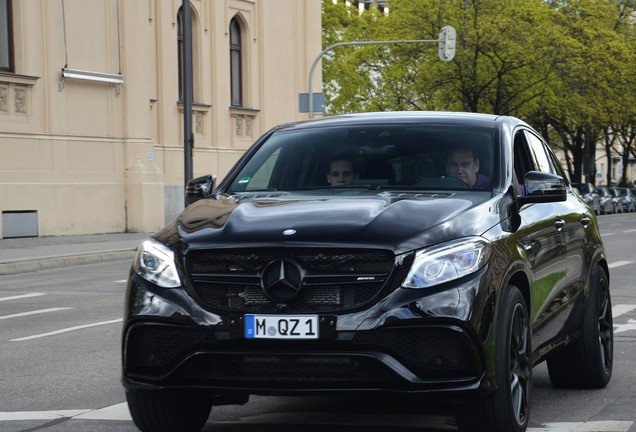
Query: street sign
(447, 42)
(318, 102)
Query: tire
(507, 408)
(153, 413)
(588, 361)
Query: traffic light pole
(446, 53)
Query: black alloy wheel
(520, 365)
(151, 412)
(507, 409)
(588, 361)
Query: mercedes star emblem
(281, 280)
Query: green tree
(492, 57)
(591, 66)
(566, 66)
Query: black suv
(437, 254)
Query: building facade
(91, 108)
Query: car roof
(402, 117)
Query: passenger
(462, 164)
(342, 170)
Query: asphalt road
(60, 364)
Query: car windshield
(408, 157)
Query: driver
(462, 164)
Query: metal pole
(188, 138)
(310, 96)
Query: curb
(47, 263)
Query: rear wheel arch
(587, 362)
(603, 263)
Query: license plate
(281, 327)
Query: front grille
(312, 259)
(332, 279)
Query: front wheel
(588, 361)
(154, 413)
(507, 409)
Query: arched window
(236, 66)
(6, 42)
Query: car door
(541, 240)
(571, 219)
(576, 232)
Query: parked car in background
(628, 204)
(607, 202)
(590, 196)
(378, 253)
(616, 198)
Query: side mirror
(542, 187)
(198, 188)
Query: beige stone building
(91, 113)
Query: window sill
(242, 111)
(11, 78)
(200, 107)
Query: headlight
(447, 262)
(155, 263)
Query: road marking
(113, 412)
(621, 309)
(22, 296)
(621, 328)
(66, 330)
(33, 312)
(119, 412)
(592, 426)
(39, 415)
(619, 264)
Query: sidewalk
(39, 253)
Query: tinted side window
(559, 169)
(539, 153)
(522, 160)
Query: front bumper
(169, 343)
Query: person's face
(341, 173)
(462, 165)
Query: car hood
(383, 220)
